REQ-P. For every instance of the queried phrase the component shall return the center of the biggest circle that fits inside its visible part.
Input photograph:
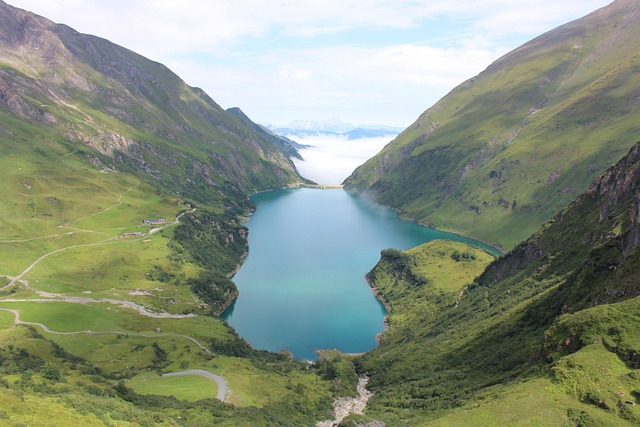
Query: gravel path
(222, 384)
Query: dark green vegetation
(507, 149)
(548, 334)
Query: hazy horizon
(329, 160)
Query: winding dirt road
(51, 297)
(18, 321)
(220, 381)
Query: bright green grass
(250, 386)
(6, 319)
(52, 199)
(117, 270)
(188, 387)
(130, 354)
(114, 264)
(26, 409)
(532, 403)
(434, 261)
(15, 257)
(594, 373)
(138, 203)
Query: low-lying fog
(330, 159)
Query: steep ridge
(143, 117)
(505, 150)
(288, 146)
(559, 307)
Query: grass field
(537, 402)
(188, 387)
(436, 262)
(250, 386)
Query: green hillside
(135, 114)
(507, 149)
(94, 302)
(548, 334)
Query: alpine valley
(122, 197)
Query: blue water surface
(302, 286)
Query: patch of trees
(401, 266)
(340, 371)
(212, 241)
(161, 358)
(215, 289)
(462, 256)
(216, 243)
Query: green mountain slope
(90, 92)
(505, 150)
(548, 334)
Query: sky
(360, 61)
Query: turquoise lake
(302, 286)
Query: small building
(155, 221)
(132, 234)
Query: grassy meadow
(189, 387)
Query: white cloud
(298, 74)
(331, 160)
(287, 59)
(426, 64)
(168, 27)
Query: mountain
(329, 126)
(133, 113)
(505, 150)
(288, 147)
(333, 128)
(122, 196)
(547, 334)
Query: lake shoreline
(499, 250)
(385, 302)
(353, 221)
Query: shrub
(50, 372)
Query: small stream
(345, 406)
